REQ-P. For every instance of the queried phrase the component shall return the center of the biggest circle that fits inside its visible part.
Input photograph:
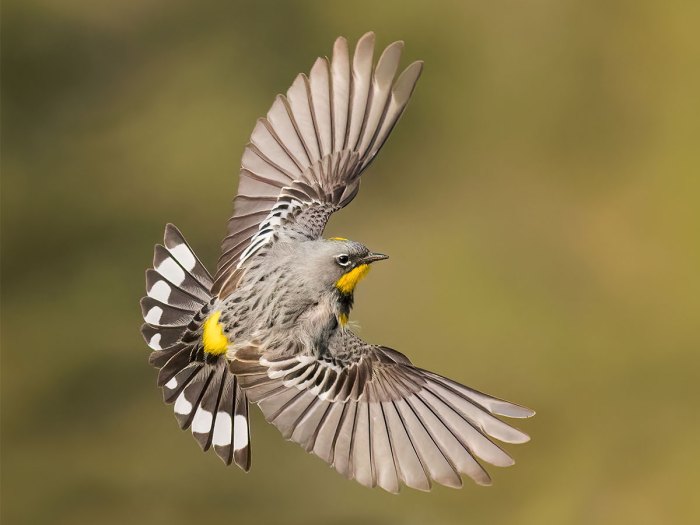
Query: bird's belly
(282, 326)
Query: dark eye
(343, 260)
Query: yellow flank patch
(346, 284)
(337, 239)
(215, 342)
(343, 319)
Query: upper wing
(375, 417)
(304, 159)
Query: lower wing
(376, 418)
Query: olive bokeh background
(539, 200)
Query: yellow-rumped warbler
(271, 326)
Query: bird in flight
(271, 326)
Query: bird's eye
(343, 260)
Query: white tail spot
(154, 343)
(201, 424)
(240, 432)
(222, 429)
(154, 314)
(184, 256)
(171, 271)
(160, 291)
(182, 406)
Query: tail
(207, 396)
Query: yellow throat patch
(215, 342)
(346, 284)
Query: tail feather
(203, 422)
(179, 362)
(241, 430)
(230, 433)
(165, 292)
(176, 244)
(176, 274)
(160, 314)
(160, 337)
(191, 396)
(206, 396)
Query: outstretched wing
(376, 418)
(305, 157)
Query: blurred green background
(539, 200)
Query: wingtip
(484, 483)
(525, 439)
(513, 410)
(365, 43)
(406, 81)
(416, 65)
(320, 62)
(340, 47)
(368, 34)
(520, 412)
(398, 44)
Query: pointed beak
(373, 257)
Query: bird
(271, 327)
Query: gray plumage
(271, 326)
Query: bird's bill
(373, 257)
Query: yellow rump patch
(215, 342)
(346, 284)
(337, 239)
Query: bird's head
(346, 263)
